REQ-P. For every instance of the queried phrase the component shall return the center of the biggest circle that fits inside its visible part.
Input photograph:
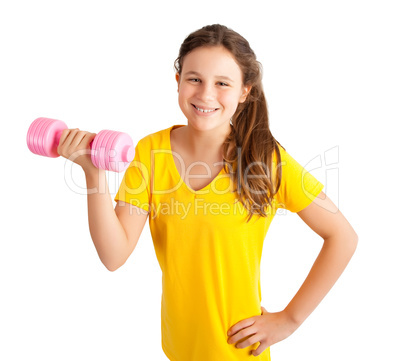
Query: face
(210, 87)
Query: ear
(245, 93)
(178, 80)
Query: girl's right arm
(115, 232)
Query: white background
(332, 77)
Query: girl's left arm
(340, 241)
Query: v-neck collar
(176, 171)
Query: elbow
(347, 241)
(355, 240)
(351, 242)
(114, 258)
(115, 265)
(113, 261)
(112, 266)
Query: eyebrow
(219, 76)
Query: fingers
(63, 137)
(67, 139)
(240, 335)
(248, 337)
(260, 349)
(240, 325)
(249, 341)
(74, 139)
(74, 145)
(71, 137)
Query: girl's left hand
(268, 328)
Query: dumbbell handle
(110, 150)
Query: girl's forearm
(327, 268)
(107, 233)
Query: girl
(211, 189)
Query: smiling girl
(230, 175)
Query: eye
(194, 80)
(222, 83)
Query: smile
(204, 110)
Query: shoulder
(279, 157)
(298, 187)
(154, 140)
(282, 159)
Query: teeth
(204, 110)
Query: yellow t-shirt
(209, 255)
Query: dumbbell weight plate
(122, 152)
(110, 152)
(98, 150)
(43, 136)
(103, 153)
(34, 140)
(51, 138)
(109, 136)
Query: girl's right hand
(74, 145)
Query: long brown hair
(249, 147)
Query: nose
(207, 92)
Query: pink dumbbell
(110, 150)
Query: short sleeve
(298, 187)
(135, 185)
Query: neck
(202, 142)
